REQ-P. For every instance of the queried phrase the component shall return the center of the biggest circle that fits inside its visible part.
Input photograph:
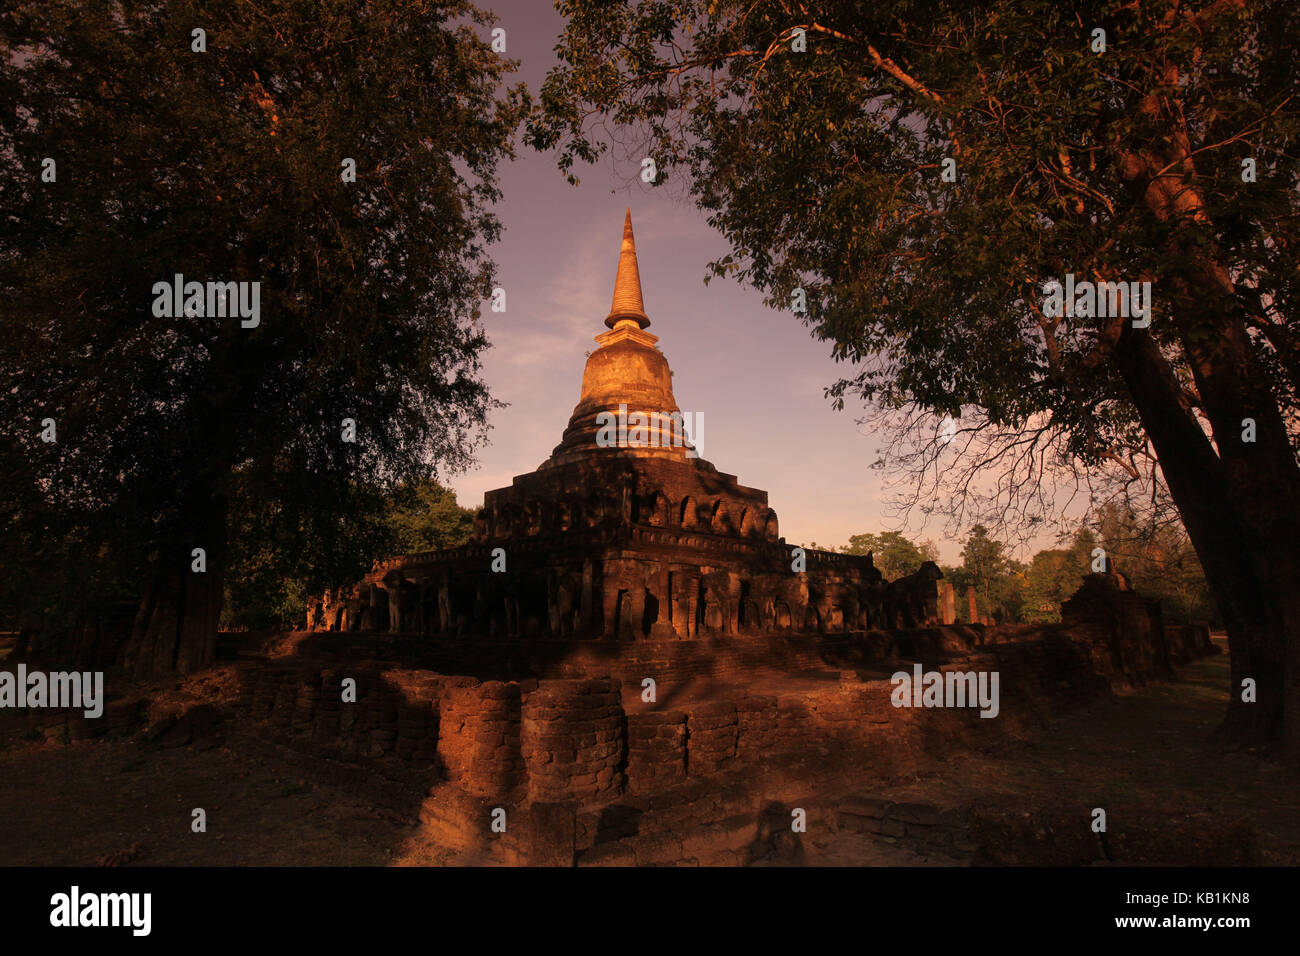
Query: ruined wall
(574, 740)
(737, 661)
(479, 741)
(734, 659)
(572, 767)
(1188, 642)
(571, 739)
(396, 714)
(656, 754)
(711, 733)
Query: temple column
(635, 611)
(610, 596)
(395, 608)
(444, 602)
(732, 611)
(588, 597)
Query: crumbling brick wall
(656, 750)
(482, 745)
(711, 732)
(573, 739)
(756, 727)
(479, 739)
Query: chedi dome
(628, 376)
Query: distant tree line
(1159, 562)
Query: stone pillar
(974, 605)
(588, 601)
(444, 602)
(395, 607)
(513, 626)
(662, 628)
(947, 602)
(733, 604)
(611, 608)
(424, 600)
(552, 605)
(635, 611)
(683, 609)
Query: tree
(301, 146)
(985, 562)
(424, 516)
(859, 158)
(1083, 548)
(270, 577)
(893, 555)
(1158, 561)
(1052, 578)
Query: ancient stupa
(625, 532)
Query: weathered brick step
(934, 826)
(726, 842)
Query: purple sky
(756, 374)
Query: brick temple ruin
(627, 665)
(641, 538)
(652, 676)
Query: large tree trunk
(1240, 501)
(175, 629)
(1244, 591)
(1263, 484)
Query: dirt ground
(1150, 752)
(125, 802)
(1152, 745)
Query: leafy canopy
(226, 165)
(893, 554)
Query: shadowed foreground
(1147, 757)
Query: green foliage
(424, 516)
(1052, 578)
(1159, 563)
(983, 558)
(893, 555)
(225, 165)
(271, 577)
(999, 580)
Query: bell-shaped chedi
(633, 538)
(626, 375)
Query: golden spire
(627, 286)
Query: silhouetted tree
(233, 164)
